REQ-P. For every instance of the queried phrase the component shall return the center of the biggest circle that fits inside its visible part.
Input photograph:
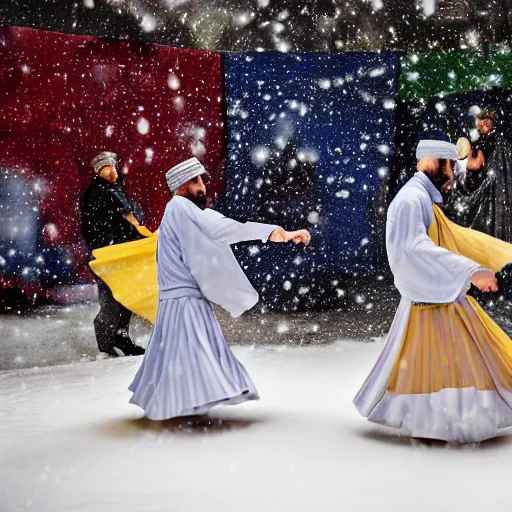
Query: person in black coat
(107, 219)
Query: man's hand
(279, 235)
(476, 160)
(485, 280)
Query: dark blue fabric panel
(309, 142)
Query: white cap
(103, 160)
(183, 172)
(436, 149)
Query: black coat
(484, 202)
(103, 207)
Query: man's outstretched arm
(223, 229)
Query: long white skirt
(188, 367)
(445, 373)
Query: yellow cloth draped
(129, 270)
(483, 249)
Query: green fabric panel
(424, 75)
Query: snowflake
(143, 126)
(173, 82)
(148, 23)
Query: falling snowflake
(324, 83)
(173, 82)
(148, 23)
(441, 106)
(143, 126)
(313, 217)
(374, 73)
(384, 149)
(389, 104)
(149, 155)
(282, 328)
(179, 103)
(474, 110)
(260, 156)
(52, 231)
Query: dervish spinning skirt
(188, 367)
(446, 370)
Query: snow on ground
(57, 335)
(69, 441)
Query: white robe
(426, 273)
(423, 271)
(188, 367)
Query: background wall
(310, 141)
(65, 98)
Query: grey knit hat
(102, 160)
(183, 172)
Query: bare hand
(302, 236)
(475, 161)
(279, 235)
(485, 280)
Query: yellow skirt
(452, 346)
(445, 373)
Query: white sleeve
(423, 271)
(217, 227)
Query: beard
(200, 200)
(439, 180)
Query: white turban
(436, 149)
(183, 172)
(102, 160)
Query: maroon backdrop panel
(65, 98)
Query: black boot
(110, 351)
(127, 346)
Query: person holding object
(188, 367)
(482, 197)
(446, 370)
(108, 219)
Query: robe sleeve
(423, 271)
(211, 263)
(217, 227)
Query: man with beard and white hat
(108, 219)
(188, 367)
(445, 372)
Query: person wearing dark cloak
(482, 196)
(108, 219)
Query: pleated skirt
(445, 373)
(188, 367)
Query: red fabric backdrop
(65, 98)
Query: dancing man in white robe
(188, 367)
(445, 370)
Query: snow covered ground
(65, 334)
(69, 441)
